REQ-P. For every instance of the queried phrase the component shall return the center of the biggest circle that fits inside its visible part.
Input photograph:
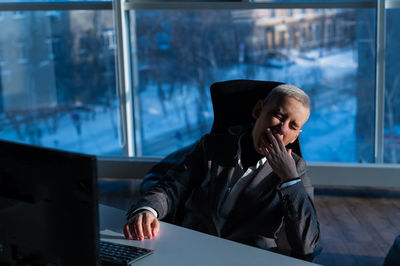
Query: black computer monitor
(48, 206)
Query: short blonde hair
(288, 90)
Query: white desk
(178, 246)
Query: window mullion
(124, 79)
(380, 81)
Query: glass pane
(57, 80)
(392, 88)
(327, 52)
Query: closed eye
(278, 115)
(294, 126)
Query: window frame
(357, 174)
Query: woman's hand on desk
(143, 225)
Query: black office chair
(233, 102)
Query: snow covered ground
(97, 133)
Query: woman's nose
(283, 128)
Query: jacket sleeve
(171, 190)
(300, 217)
(158, 171)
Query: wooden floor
(358, 226)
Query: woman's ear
(257, 109)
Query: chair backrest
(233, 102)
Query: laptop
(49, 210)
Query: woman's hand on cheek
(280, 159)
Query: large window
(57, 80)
(327, 52)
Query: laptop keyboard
(116, 254)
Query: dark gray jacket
(251, 212)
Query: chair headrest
(233, 102)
